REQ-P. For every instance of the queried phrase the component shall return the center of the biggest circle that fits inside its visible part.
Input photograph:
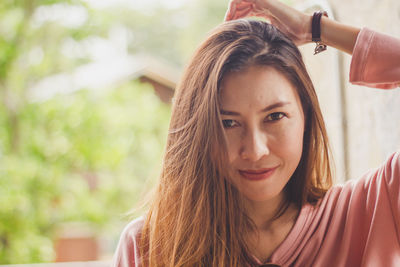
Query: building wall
(371, 117)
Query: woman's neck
(263, 213)
(270, 230)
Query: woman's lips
(257, 175)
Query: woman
(246, 177)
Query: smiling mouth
(257, 175)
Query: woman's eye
(275, 116)
(229, 123)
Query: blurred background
(86, 87)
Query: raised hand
(293, 23)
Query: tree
(52, 151)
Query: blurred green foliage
(79, 157)
(82, 157)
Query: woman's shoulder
(387, 170)
(133, 228)
(127, 253)
(356, 219)
(383, 180)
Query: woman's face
(264, 126)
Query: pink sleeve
(127, 253)
(376, 60)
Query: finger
(236, 5)
(227, 16)
(242, 13)
(231, 10)
(241, 6)
(239, 11)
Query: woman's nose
(254, 146)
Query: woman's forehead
(256, 87)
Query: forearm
(338, 35)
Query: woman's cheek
(232, 145)
(291, 139)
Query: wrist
(316, 31)
(308, 29)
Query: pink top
(355, 224)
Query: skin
(295, 24)
(264, 127)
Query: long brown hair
(196, 217)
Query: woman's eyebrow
(267, 108)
